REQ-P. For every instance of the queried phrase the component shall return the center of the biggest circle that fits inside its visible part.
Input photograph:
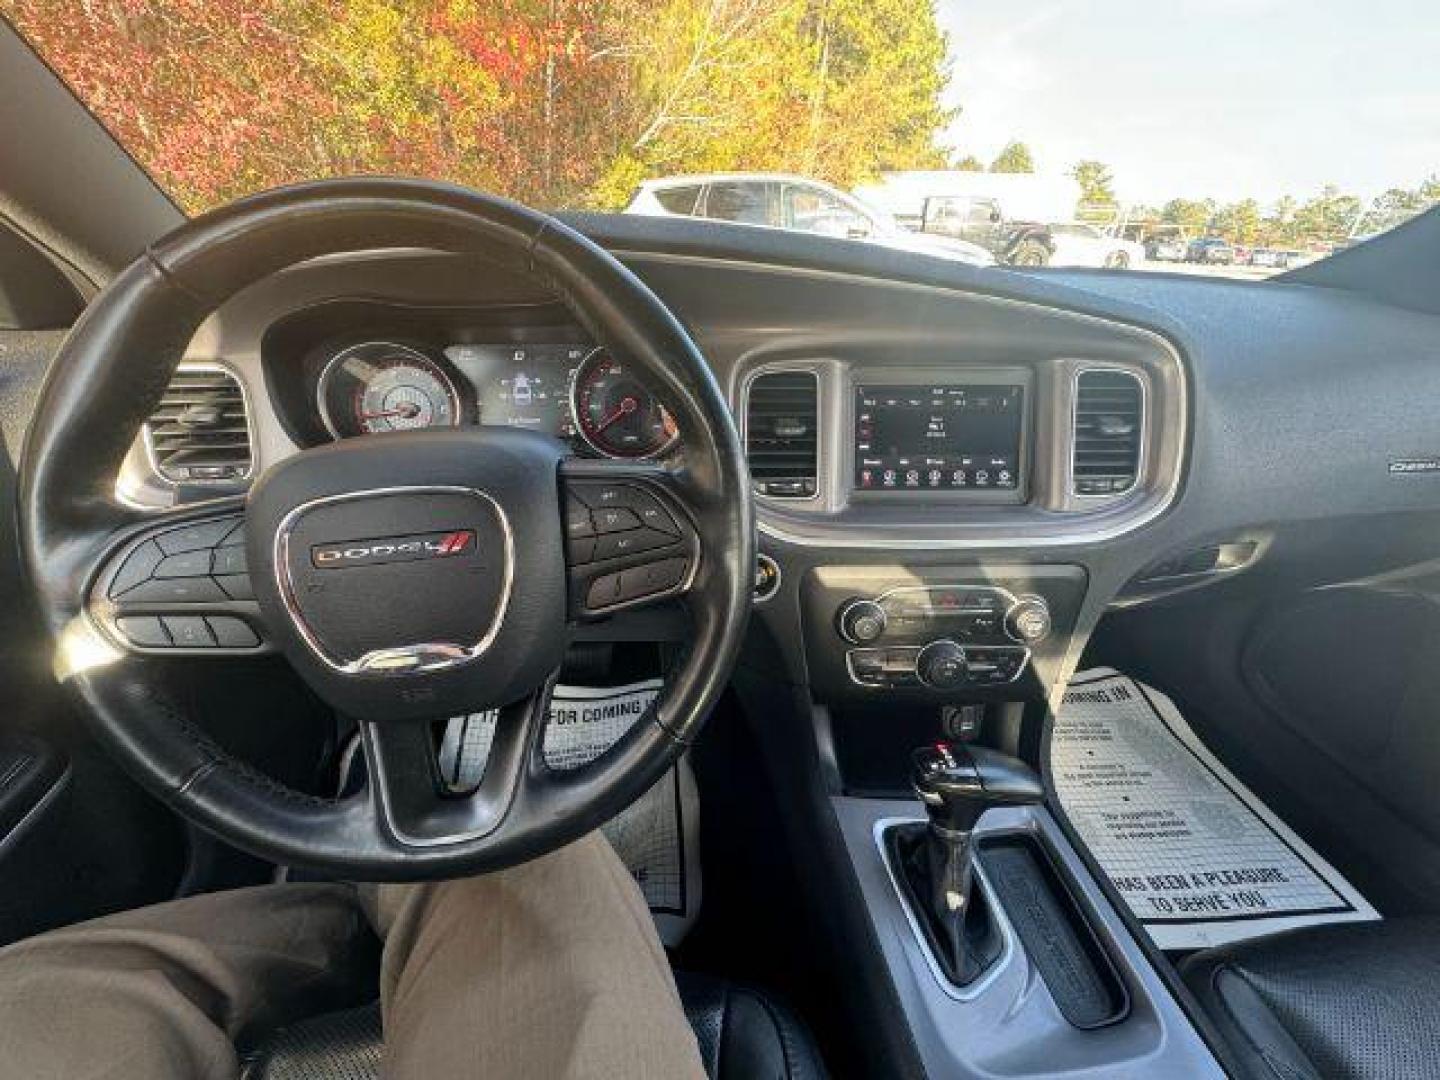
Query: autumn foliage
(554, 102)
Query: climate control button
(1028, 620)
(941, 665)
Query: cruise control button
(146, 631)
(577, 519)
(137, 567)
(230, 560)
(205, 534)
(232, 633)
(613, 519)
(651, 578)
(189, 632)
(189, 564)
(199, 590)
(631, 543)
(597, 496)
(237, 586)
(604, 591)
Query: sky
(1225, 99)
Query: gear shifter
(957, 784)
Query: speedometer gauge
(378, 386)
(616, 413)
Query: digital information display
(521, 385)
(938, 438)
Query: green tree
(1239, 222)
(1329, 217)
(1097, 183)
(1190, 216)
(969, 163)
(1015, 158)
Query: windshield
(1268, 134)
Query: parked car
(1280, 258)
(1081, 244)
(980, 219)
(1210, 249)
(796, 203)
(1168, 247)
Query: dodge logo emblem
(390, 549)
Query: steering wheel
(407, 578)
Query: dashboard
(932, 466)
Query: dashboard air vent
(781, 424)
(1109, 424)
(200, 433)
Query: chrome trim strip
(1007, 934)
(407, 659)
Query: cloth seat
(743, 1033)
(1345, 1002)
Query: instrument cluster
(575, 392)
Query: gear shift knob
(958, 783)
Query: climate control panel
(939, 632)
(944, 637)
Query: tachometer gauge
(378, 386)
(616, 413)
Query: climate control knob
(941, 665)
(1028, 620)
(861, 621)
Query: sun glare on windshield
(1050, 135)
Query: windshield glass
(1265, 135)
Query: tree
(1096, 182)
(555, 102)
(969, 163)
(1015, 158)
(1239, 222)
(1191, 217)
(1329, 217)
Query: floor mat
(1200, 860)
(657, 837)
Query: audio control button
(862, 621)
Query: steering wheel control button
(614, 519)
(615, 545)
(192, 590)
(232, 633)
(229, 560)
(144, 631)
(137, 568)
(237, 586)
(205, 534)
(582, 550)
(189, 631)
(187, 565)
(604, 592)
(652, 578)
(577, 519)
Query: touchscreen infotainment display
(939, 438)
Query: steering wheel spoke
(411, 799)
(179, 584)
(630, 537)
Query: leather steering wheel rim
(110, 373)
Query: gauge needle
(408, 411)
(625, 408)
